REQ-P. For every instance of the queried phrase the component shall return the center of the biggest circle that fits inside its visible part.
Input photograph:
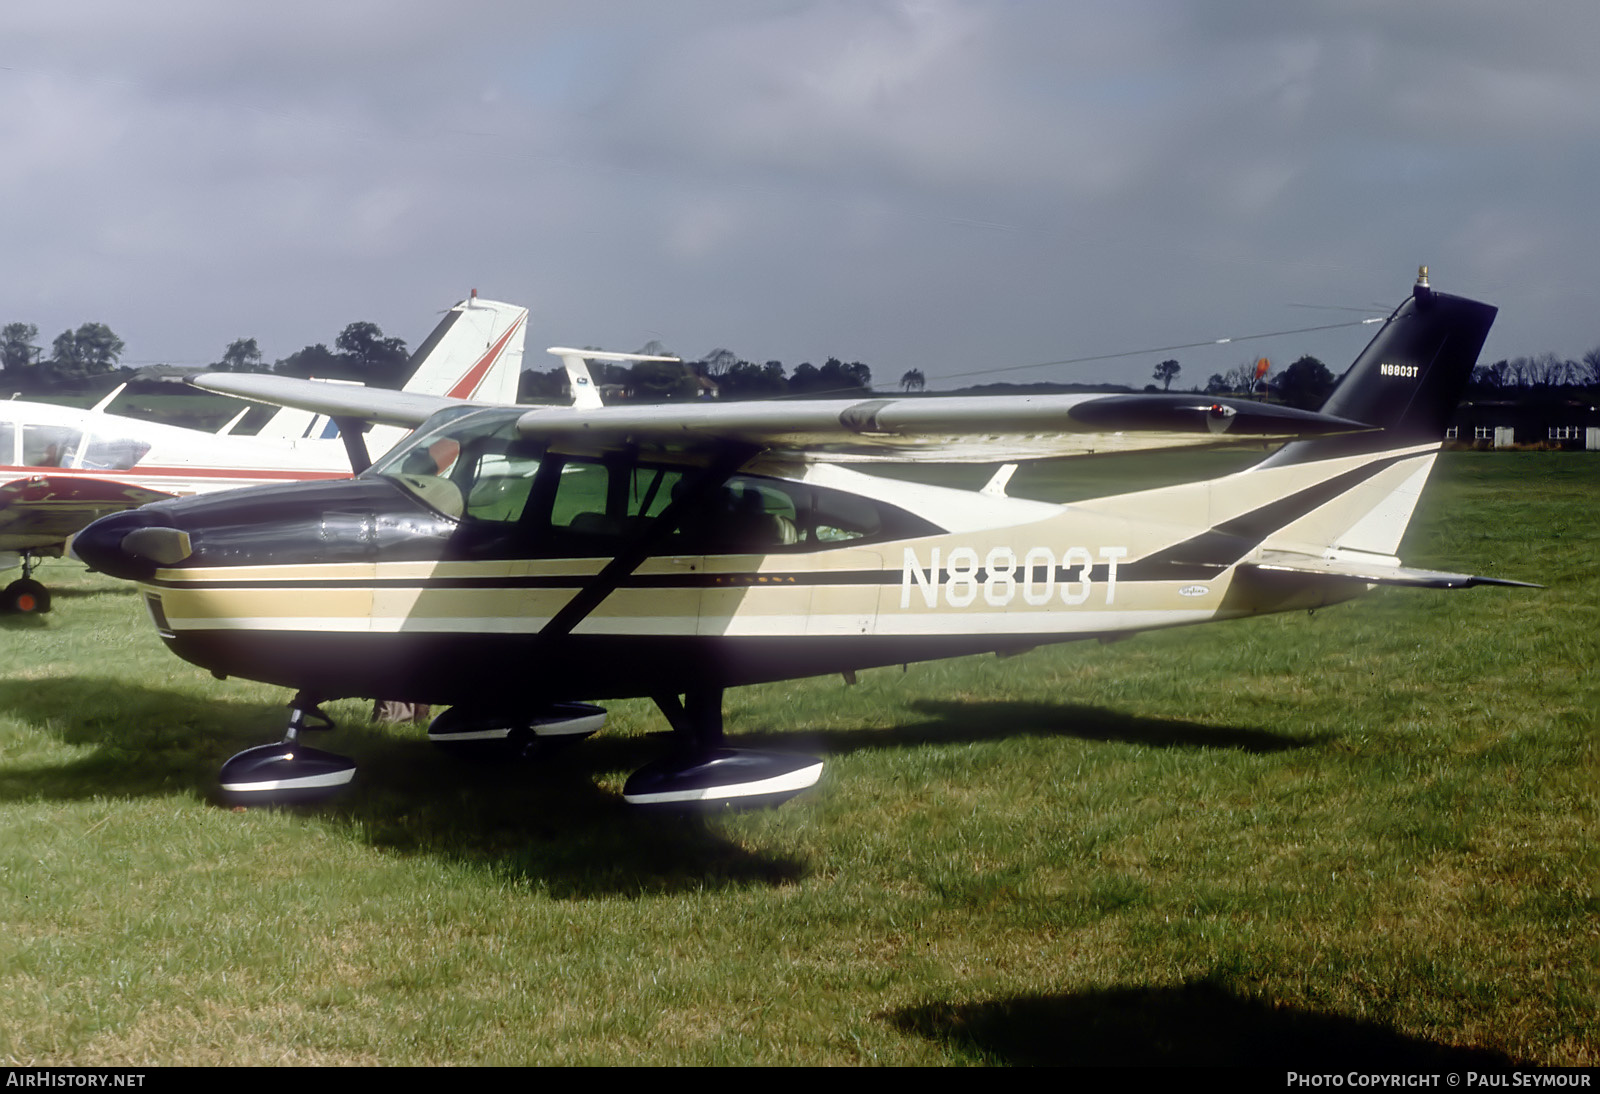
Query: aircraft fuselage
(449, 573)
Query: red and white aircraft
(64, 467)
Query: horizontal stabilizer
(1373, 573)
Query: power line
(1157, 349)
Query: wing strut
(697, 491)
(355, 442)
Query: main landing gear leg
(25, 596)
(701, 774)
(288, 772)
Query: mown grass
(1366, 836)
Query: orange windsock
(1261, 368)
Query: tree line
(721, 373)
(76, 358)
(1308, 382)
(75, 355)
(362, 353)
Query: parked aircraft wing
(973, 429)
(371, 404)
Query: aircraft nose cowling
(130, 545)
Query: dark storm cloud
(941, 185)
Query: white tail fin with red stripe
(474, 353)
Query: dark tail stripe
(1220, 547)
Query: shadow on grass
(15, 621)
(1201, 1023)
(12, 621)
(59, 593)
(964, 722)
(547, 823)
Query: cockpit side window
(473, 466)
(601, 500)
(113, 453)
(517, 500)
(500, 484)
(838, 517)
(49, 445)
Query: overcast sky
(945, 185)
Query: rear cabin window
(598, 505)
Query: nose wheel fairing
(289, 772)
(284, 773)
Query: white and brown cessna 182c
(508, 560)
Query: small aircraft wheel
(25, 596)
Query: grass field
(1364, 837)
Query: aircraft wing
(966, 429)
(961, 429)
(43, 510)
(369, 404)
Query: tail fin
(474, 353)
(1354, 495)
(1409, 379)
(585, 395)
(1330, 511)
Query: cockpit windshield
(466, 463)
(47, 444)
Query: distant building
(1501, 423)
